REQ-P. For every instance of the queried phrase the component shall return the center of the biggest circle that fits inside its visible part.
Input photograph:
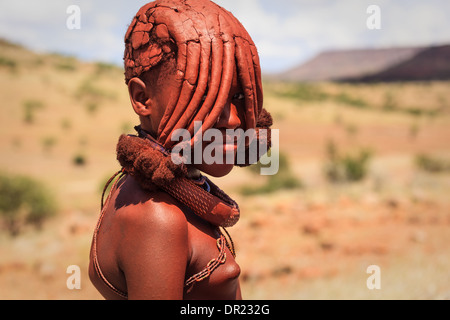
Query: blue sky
(286, 32)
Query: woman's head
(190, 61)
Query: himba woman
(161, 231)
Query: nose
(229, 119)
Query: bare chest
(213, 261)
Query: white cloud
(288, 32)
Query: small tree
(79, 160)
(29, 108)
(346, 168)
(283, 180)
(24, 201)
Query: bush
(389, 104)
(24, 201)
(48, 143)
(92, 107)
(30, 107)
(299, 91)
(275, 183)
(79, 160)
(432, 164)
(346, 168)
(8, 63)
(66, 64)
(92, 92)
(350, 101)
(283, 180)
(106, 68)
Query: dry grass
(308, 243)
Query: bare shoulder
(135, 206)
(154, 216)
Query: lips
(227, 145)
(227, 141)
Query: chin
(215, 170)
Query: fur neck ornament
(152, 167)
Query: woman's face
(232, 118)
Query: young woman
(161, 231)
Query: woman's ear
(139, 97)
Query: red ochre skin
(148, 243)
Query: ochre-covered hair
(207, 42)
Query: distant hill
(429, 64)
(392, 64)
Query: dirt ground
(314, 242)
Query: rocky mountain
(390, 64)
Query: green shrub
(299, 91)
(30, 107)
(8, 63)
(66, 64)
(356, 165)
(91, 92)
(389, 104)
(432, 164)
(106, 68)
(283, 180)
(24, 200)
(92, 108)
(350, 101)
(350, 167)
(79, 160)
(48, 143)
(275, 183)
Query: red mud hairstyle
(207, 42)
